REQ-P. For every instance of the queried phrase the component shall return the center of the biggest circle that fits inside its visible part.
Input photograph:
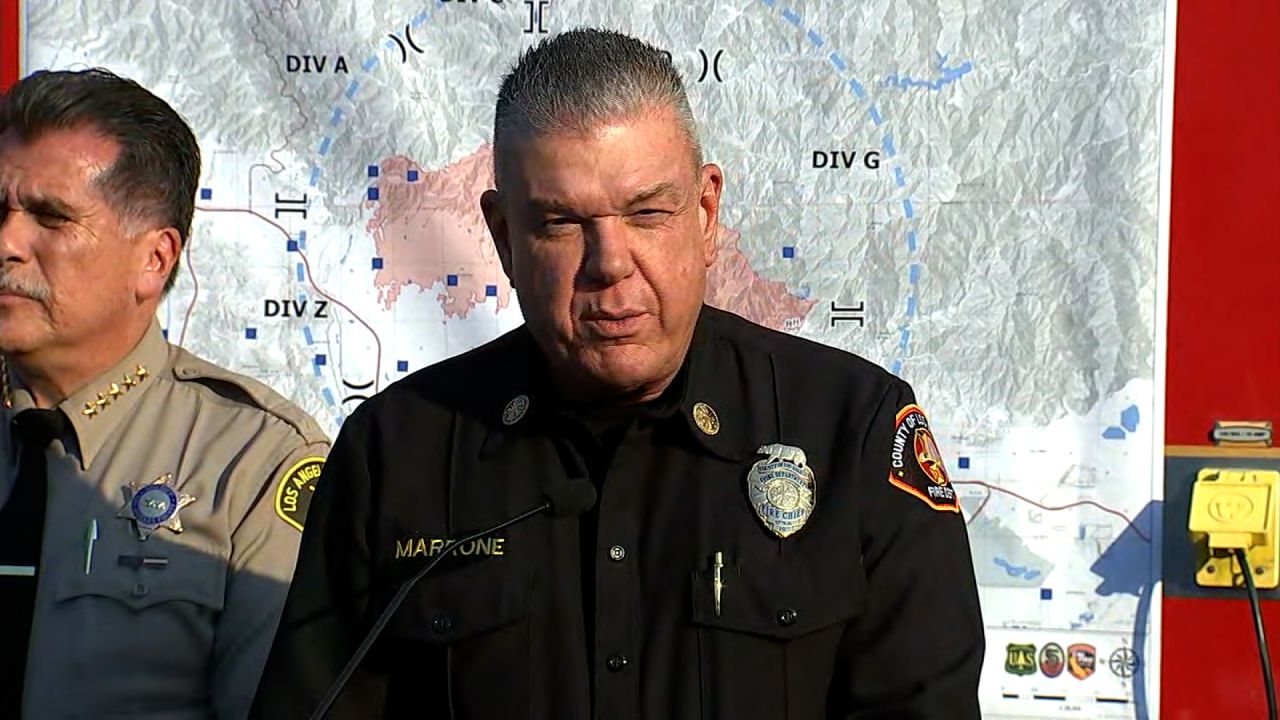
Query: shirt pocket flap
(785, 601)
(464, 602)
(171, 572)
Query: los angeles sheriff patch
(293, 494)
(915, 464)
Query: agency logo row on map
(1079, 659)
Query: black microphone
(563, 500)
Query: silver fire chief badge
(782, 489)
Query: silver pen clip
(90, 537)
(717, 580)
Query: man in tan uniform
(150, 503)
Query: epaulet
(192, 368)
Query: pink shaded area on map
(734, 286)
(431, 228)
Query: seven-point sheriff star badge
(154, 504)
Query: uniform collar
(104, 403)
(716, 400)
(725, 404)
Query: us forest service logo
(781, 488)
(1082, 660)
(915, 463)
(293, 494)
(1020, 659)
(1052, 660)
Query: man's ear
(712, 180)
(495, 216)
(159, 250)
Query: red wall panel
(9, 26)
(1224, 310)
(1224, 264)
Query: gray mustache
(29, 288)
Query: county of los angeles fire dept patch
(915, 463)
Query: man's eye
(650, 214)
(560, 224)
(50, 220)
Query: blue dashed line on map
(899, 174)
(316, 367)
(302, 239)
(326, 144)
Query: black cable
(1268, 680)
(336, 688)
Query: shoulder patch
(192, 368)
(294, 491)
(915, 463)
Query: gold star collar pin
(93, 408)
(152, 505)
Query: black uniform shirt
(869, 609)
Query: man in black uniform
(775, 535)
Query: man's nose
(16, 234)
(608, 258)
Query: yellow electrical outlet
(1236, 508)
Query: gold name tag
(430, 547)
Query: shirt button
(616, 663)
(442, 623)
(787, 617)
(617, 553)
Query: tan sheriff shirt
(176, 625)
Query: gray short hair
(154, 177)
(584, 78)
